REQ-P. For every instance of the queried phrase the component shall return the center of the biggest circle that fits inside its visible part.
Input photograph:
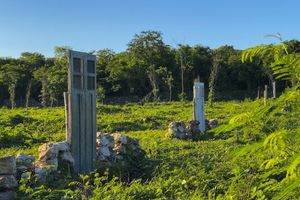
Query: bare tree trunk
(28, 93)
(265, 95)
(212, 81)
(271, 82)
(45, 93)
(182, 70)
(12, 94)
(154, 82)
(170, 92)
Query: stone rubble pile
(211, 123)
(24, 163)
(112, 147)
(189, 130)
(49, 156)
(183, 131)
(7, 177)
(22, 166)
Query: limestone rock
(7, 195)
(49, 154)
(182, 131)
(24, 159)
(211, 123)
(43, 171)
(24, 162)
(22, 168)
(176, 130)
(67, 156)
(104, 151)
(7, 165)
(193, 127)
(112, 146)
(7, 182)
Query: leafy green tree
(282, 64)
(42, 75)
(148, 52)
(53, 79)
(104, 60)
(119, 73)
(100, 94)
(167, 78)
(9, 76)
(29, 63)
(202, 62)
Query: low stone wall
(53, 156)
(8, 182)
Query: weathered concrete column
(274, 89)
(81, 110)
(199, 104)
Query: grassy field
(254, 153)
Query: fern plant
(283, 64)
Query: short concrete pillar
(199, 104)
(274, 89)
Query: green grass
(249, 156)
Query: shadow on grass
(19, 140)
(109, 110)
(138, 125)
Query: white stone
(124, 139)
(7, 182)
(67, 156)
(49, 153)
(98, 141)
(24, 159)
(7, 195)
(119, 138)
(105, 151)
(7, 165)
(98, 134)
(181, 129)
(104, 141)
(43, 172)
(213, 123)
(62, 146)
(53, 163)
(22, 168)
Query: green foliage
(252, 154)
(136, 71)
(100, 94)
(9, 76)
(284, 65)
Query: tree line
(149, 69)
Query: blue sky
(40, 25)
